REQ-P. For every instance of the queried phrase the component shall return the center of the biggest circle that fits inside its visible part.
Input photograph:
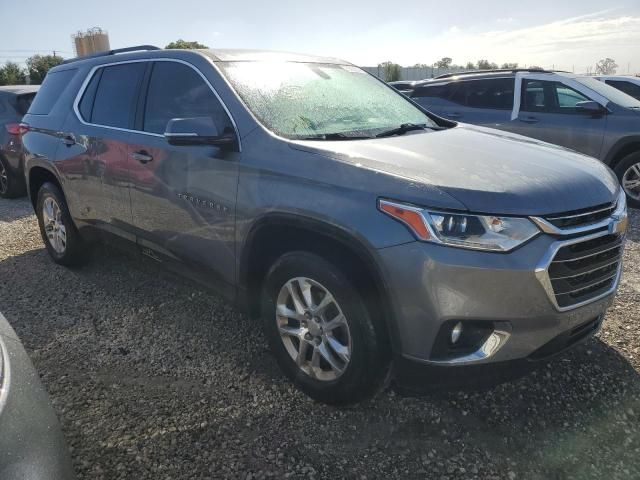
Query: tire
(360, 341)
(628, 172)
(10, 186)
(55, 222)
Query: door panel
(183, 197)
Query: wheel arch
(275, 234)
(36, 177)
(621, 149)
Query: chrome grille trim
(609, 208)
(542, 270)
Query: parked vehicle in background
(573, 111)
(31, 444)
(404, 86)
(366, 233)
(14, 103)
(625, 83)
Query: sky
(569, 35)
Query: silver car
(31, 444)
(569, 110)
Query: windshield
(607, 91)
(309, 100)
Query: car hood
(487, 170)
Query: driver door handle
(141, 156)
(529, 119)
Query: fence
(414, 73)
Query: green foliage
(180, 43)
(606, 66)
(39, 65)
(511, 65)
(470, 66)
(444, 62)
(12, 74)
(391, 71)
(486, 65)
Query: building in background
(92, 41)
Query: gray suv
(375, 240)
(572, 111)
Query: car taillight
(17, 128)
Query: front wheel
(321, 332)
(60, 236)
(628, 172)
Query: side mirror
(590, 107)
(196, 131)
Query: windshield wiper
(402, 129)
(336, 136)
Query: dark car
(573, 111)
(14, 103)
(373, 239)
(31, 443)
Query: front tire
(60, 236)
(628, 172)
(321, 332)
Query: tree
(470, 66)
(512, 65)
(180, 43)
(421, 65)
(606, 66)
(444, 62)
(391, 71)
(12, 74)
(39, 65)
(486, 65)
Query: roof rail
(497, 70)
(137, 48)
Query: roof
(479, 75)
(19, 89)
(238, 55)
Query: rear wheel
(10, 187)
(628, 172)
(60, 236)
(321, 331)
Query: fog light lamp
(456, 332)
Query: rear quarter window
(51, 90)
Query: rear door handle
(141, 156)
(67, 138)
(529, 119)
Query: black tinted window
(178, 91)
(495, 94)
(551, 97)
(50, 91)
(89, 95)
(115, 99)
(626, 87)
(438, 91)
(23, 102)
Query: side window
(496, 94)
(115, 97)
(534, 96)
(88, 97)
(626, 87)
(438, 91)
(50, 91)
(178, 91)
(567, 97)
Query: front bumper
(31, 442)
(432, 284)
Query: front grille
(582, 271)
(581, 218)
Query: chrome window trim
(93, 70)
(542, 270)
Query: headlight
(479, 232)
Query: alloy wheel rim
(631, 181)
(53, 225)
(313, 329)
(4, 179)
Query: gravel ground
(155, 378)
